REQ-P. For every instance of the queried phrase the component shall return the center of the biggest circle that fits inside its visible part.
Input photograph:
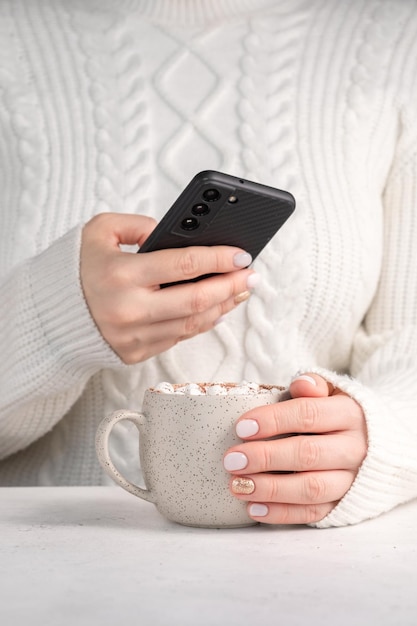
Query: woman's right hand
(135, 316)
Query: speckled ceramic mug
(182, 441)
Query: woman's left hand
(323, 459)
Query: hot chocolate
(243, 388)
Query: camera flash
(232, 199)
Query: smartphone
(219, 209)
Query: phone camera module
(200, 209)
(189, 223)
(211, 195)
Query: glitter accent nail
(241, 297)
(243, 485)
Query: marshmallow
(192, 389)
(164, 388)
(214, 389)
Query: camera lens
(189, 223)
(211, 195)
(200, 209)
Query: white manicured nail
(308, 379)
(247, 428)
(258, 510)
(235, 461)
(242, 259)
(253, 281)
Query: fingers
(191, 300)
(272, 513)
(301, 498)
(298, 479)
(136, 317)
(162, 266)
(302, 488)
(299, 415)
(137, 322)
(182, 264)
(297, 454)
(310, 385)
(135, 343)
(113, 229)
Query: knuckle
(117, 273)
(189, 263)
(121, 316)
(225, 307)
(130, 358)
(313, 513)
(219, 262)
(361, 448)
(201, 300)
(133, 350)
(314, 488)
(266, 456)
(98, 224)
(275, 419)
(286, 514)
(273, 491)
(308, 452)
(308, 415)
(97, 220)
(191, 325)
(123, 350)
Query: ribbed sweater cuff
(62, 311)
(388, 475)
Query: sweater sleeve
(384, 356)
(49, 343)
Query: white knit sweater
(113, 105)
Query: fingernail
(235, 461)
(253, 280)
(241, 297)
(243, 485)
(242, 259)
(308, 379)
(247, 428)
(258, 510)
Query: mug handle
(103, 454)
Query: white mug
(182, 441)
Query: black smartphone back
(219, 209)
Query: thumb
(119, 228)
(310, 386)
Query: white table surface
(99, 556)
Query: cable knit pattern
(112, 105)
(270, 68)
(29, 142)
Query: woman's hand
(135, 316)
(323, 459)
